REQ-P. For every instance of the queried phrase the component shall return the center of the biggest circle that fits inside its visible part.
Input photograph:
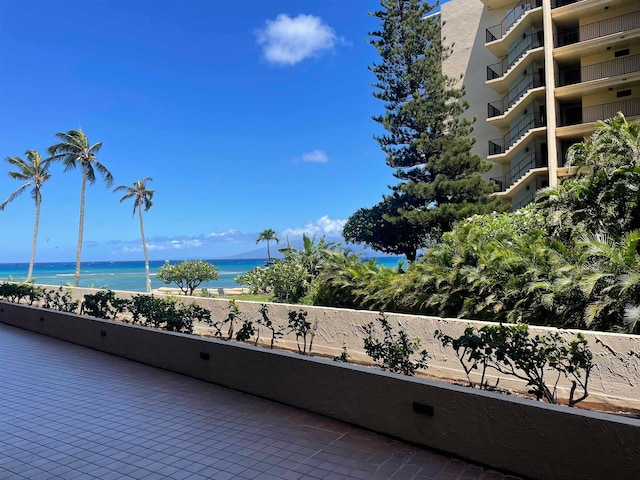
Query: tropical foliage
(75, 149)
(34, 172)
(267, 235)
(187, 275)
(427, 142)
(571, 259)
(141, 198)
(294, 278)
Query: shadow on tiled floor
(74, 413)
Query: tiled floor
(71, 412)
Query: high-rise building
(538, 75)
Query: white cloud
(287, 41)
(317, 156)
(323, 226)
(227, 233)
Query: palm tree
(33, 171)
(266, 236)
(142, 198)
(75, 149)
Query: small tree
(141, 198)
(73, 150)
(187, 275)
(267, 236)
(276, 331)
(394, 352)
(303, 329)
(34, 172)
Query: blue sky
(247, 115)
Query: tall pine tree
(427, 141)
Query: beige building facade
(538, 74)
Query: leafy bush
(187, 275)
(394, 352)
(509, 349)
(167, 313)
(246, 331)
(276, 332)
(302, 328)
(60, 300)
(343, 357)
(104, 304)
(256, 280)
(290, 280)
(16, 292)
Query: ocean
(130, 275)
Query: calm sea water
(129, 275)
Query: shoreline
(202, 292)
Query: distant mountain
(261, 253)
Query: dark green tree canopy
(427, 142)
(187, 275)
(369, 226)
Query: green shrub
(394, 352)
(60, 300)
(167, 313)
(509, 349)
(187, 275)
(104, 304)
(16, 292)
(276, 332)
(303, 329)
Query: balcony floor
(70, 412)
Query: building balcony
(520, 90)
(514, 23)
(588, 73)
(530, 122)
(579, 115)
(565, 11)
(516, 54)
(524, 65)
(597, 30)
(518, 173)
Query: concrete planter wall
(523, 436)
(614, 385)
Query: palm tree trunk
(81, 225)
(35, 237)
(144, 249)
(268, 251)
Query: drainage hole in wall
(103, 333)
(423, 409)
(204, 356)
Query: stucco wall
(464, 27)
(614, 384)
(522, 436)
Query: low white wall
(614, 383)
(528, 438)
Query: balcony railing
(619, 24)
(528, 42)
(533, 160)
(575, 115)
(612, 68)
(497, 31)
(500, 145)
(533, 80)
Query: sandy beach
(203, 292)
